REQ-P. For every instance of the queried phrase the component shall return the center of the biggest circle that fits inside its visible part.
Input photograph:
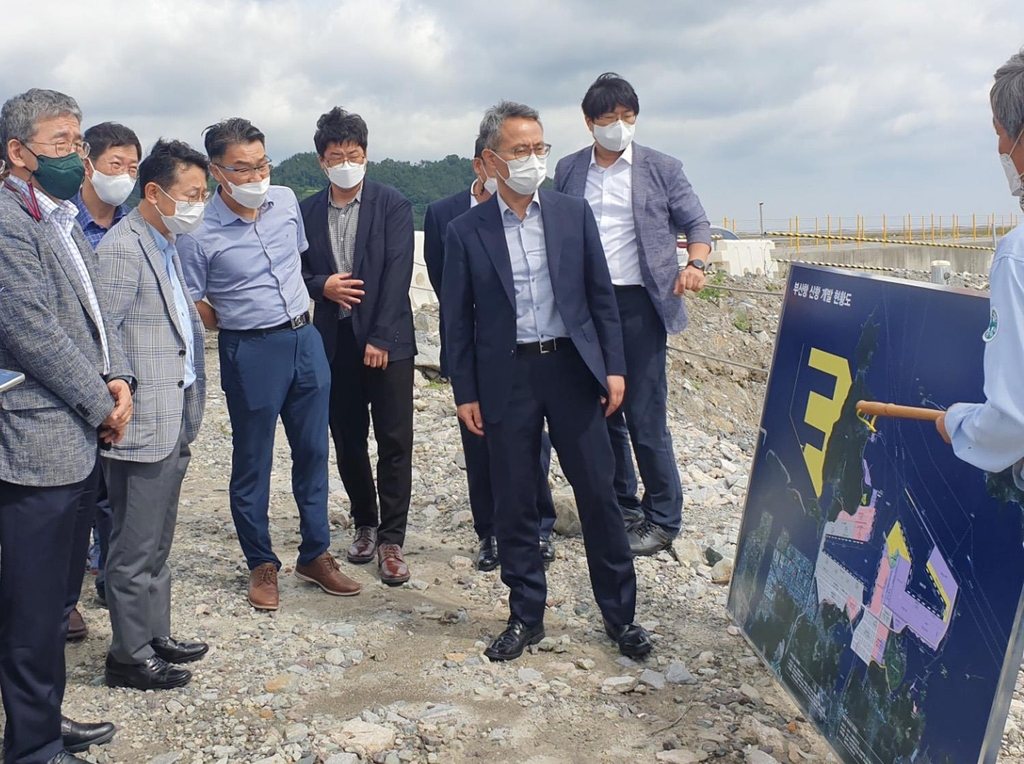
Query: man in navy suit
(642, 201)
(478, 474)
(358, 269)
(533, 335)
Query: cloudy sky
(810, 107)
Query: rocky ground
(397, 674)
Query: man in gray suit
(642, 201)
(163, 335)
(77, 393)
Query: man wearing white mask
(642, 202)
(162, 335)
(243, 269)
(358, 269)
(533, 336)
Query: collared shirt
(168, 250)
(537, 317)
(472, 199)
(249, 270)
(610, 194)
(61, 217)
(93, 231)
(342, 223)
(990, 435)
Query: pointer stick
(876, 408)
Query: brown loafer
(325, 572)
(393, 570)
(77, 630)
(263, 594)
(363, 545)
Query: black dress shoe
(66, 758)
(153, 674)
(547, 550)
(648, 539)
(511, 643)
(487, 557)
(173, 651)
(78, 737)
(633, 640)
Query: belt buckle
(542, 350)
(298, 322)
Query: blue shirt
(537, 317)
(180, 304)
(93, 231)
(990, 435)
(248, 270)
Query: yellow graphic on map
(823, 413)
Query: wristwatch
(698, 264)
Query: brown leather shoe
(263, 594)
(363, 545)
(77, 630)
(325, 572)
(393, 570)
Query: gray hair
(1007, 95)
(496, 116)
(21, 114)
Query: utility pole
(760, 215)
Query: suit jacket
(479, 304)
(47, 331)
(383, 259)
(135, 285)
(664, 205)
(435, 225)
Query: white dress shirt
(610, 194)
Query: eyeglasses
(259, 171)
(336, 159)
(64, 147)
(199, 198)
(521, 152)
(116, 168)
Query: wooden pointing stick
(876, 409)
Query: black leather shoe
(78, 737)
(633, 640)
(487, 557)
(173, 651)
(153, 674)
(648, 539)
(547, 550)
(632, 516)
(511, 643)
(66, 758)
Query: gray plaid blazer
(48, 425)
(133, 279)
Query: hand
(110, 435)
(616, 389)
(940, 425)
(470, 415)
(123, 407)
(343, 289)
(375, 358)
(690, 278)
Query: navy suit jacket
(479, 304)
(435, 224)
(664, 205)
(383, 259)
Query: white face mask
(616, 136)
(525, 175)
(186, 218)
(347, 175)
(112, 189)
(491, 186)
(250, 195)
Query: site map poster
(880, 577)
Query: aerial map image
(879, 576)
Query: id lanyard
(30, 200)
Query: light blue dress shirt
(537, 317)
(180, 304)
(990, 435)
(249, 270)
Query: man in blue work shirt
(244, 261)
(990, 435)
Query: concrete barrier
(903, 257)
(420, 291)
(744, 257)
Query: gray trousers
(144, 498)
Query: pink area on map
(881, 635)
(863, 521)
(877, 598)
(867, 473)
(852, 608)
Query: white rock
(678, 674)
(335, 656)
(617, 685)
(760, 757)
(653, 679)
(295, 733)
(721, 573)
(458, 562)
(679, 756)
(372, 738)
(342, 758)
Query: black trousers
(559, 388)
(44, 539)
(357, 394)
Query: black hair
(338, 126)
(608, 91)
(230, 132)
(478, 149)
(166, 160)
(109, 134)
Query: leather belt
(542, 348)
(294, 323)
